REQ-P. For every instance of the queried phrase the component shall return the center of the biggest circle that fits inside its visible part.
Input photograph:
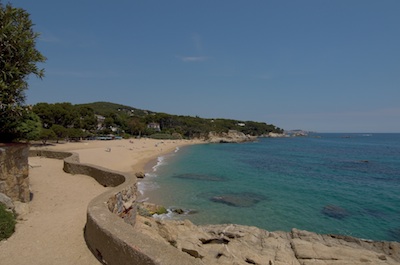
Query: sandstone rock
(140, 175)
(7, 202)
(236, 244)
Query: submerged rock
(238, 199)
(335, 211)
(199, 177)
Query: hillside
(100, 118)
(104, 108)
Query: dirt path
(52, 232)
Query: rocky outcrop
(236, 244)
(14, 171)
(231, 136)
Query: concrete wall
(14, 171)
(110, 228)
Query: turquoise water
(327, 183)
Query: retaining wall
(14, 171)
(110, 227)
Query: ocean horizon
(329, 183)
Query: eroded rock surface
(237, 244)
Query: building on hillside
(100, 121)
(154, 125)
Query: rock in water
(199, 177)
(335, 211)
(238, 199)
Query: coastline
(126, 155)
(247, 245)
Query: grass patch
(7, 223)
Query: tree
(30, 127)
(47, 134)
(60, 131)
(18, 59)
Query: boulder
(7, 202)
(140, 175)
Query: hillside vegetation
(65, 120)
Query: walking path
(52, 232)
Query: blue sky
(323, 65)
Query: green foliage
(75, 133)
(64, 114)
(18, 59)
(47, 134)
(63, 117)
(7, 223)
(30, 126)
(105, 108)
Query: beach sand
(52, 231)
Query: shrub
(7, 223)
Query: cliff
(232, 136)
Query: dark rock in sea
(178, 211)
(199, 177)
(394, 234)
(238, 199)
(335, 211)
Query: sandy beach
(52, 231)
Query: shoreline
(126, 155)
(295, 247)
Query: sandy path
(52, 233)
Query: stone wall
(14, 171)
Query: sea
(346, 184)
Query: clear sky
(321, 65)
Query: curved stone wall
(110, 227)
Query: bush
(7, 223)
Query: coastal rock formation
(232, 136)
(237, 244)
